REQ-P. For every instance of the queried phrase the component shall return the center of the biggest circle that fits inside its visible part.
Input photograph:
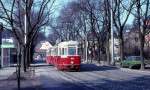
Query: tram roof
(67, 43)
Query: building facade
(7, 48)
(8, 52)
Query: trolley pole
(112, 35)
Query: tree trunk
(19, 66)
(108, 52)
(121, 46)
(31, 53)
(28, 56)
(99, 52)
(141, 34)
(24, 59)
(142, 50)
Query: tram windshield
(72, 50)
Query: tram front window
(72, 50)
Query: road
(92, 77)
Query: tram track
(84, 83)
(77, 78)
(90, 80)
(76, 81)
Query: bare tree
(142, 16)
(120, 19)
(85, 21)
(36, 18)
(37, 14)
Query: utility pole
(1, 29)
(112, 35)
(25, 35)
(86, 48)
(25, 28)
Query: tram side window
(60, 51)
(56, 51)
(52, 52)
(49, 52)
(72, 50)
(64, 51)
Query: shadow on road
(93, 67)
(84, 67)
(39, 63)
(137, 83)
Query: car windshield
(134, 58)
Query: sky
(58, 5)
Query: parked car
(132, 62)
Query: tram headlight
(72, 62)
(72, 58)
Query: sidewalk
(8, 80)
(6, 72)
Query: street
(92, 77)
(107, 42)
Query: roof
(42, 46)
(45, 45)
(67, 43)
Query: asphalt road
(92, 77)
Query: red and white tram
(64, 56)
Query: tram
(64, 56)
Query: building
(8, 52)
(40, 50)
(8, 49)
